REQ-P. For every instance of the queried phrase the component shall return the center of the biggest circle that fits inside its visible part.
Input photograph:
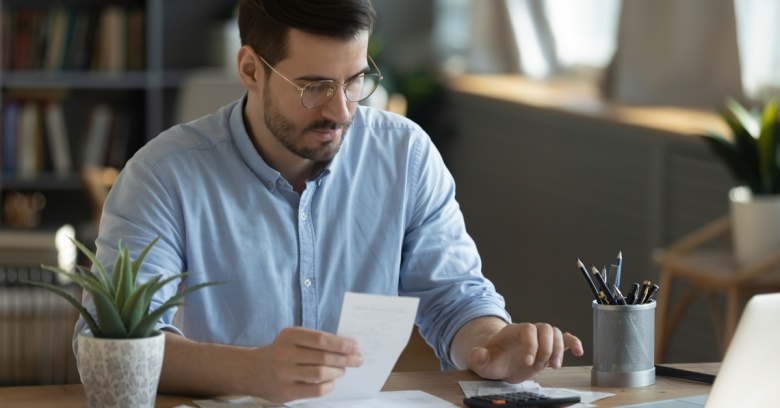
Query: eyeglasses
(315, 94)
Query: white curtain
(672, 52)
(758, 29)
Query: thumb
(479, 358)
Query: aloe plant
(753, 153)
(121, 305)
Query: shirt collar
(267, 175)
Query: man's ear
(250, 71)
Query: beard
(294, 138)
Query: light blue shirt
(380, 218)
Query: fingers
(303, 363)
(519, 351)
(318, 340)
(573, 343)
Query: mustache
(325, 124)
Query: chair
(704, 259)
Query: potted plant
(120, 353)
(752, 156)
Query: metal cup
(623, 345)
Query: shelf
(42, 182)
(83, 80)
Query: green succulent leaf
(146, 325)
(735, 160)
(767, 146)
(101, 271)
(137, 263)
(752, 154)
(121, 304)
(137, 306)
(93, 326)
(746, 120)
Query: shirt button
(269, 184)
(304, 216)
(307, 282)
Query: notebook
(751, 367)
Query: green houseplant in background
(752, 155)
(120, 353)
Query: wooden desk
(442, 384)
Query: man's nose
(337, 108)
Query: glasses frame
(343, 86)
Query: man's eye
(319, 87)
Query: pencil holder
(623, 345)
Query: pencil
(604, 287)
(619, 269)
(588, 280)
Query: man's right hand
(300, 363)
(304, 363)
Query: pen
(651, 292)
(640, 297)
(603, 298)
(630, 299)
(619, 269)
(599, 279)
(603, 285)
(588, 280)
(619, 297)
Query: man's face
(313, 134)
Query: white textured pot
(120, 372)
(755, 221)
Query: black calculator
(517, 399)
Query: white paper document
(387, 399)
(381, 325)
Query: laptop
(750, 371)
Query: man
(294, 195)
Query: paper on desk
(586, 397)
(382, 326)
(387, 399)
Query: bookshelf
(109, 70)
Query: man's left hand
(520, 350)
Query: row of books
(33, 247)
(36, 139)
(73, 39)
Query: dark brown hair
(264, 24)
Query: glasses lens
(362, 87)
(317, 93)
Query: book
(77, 50)
(136, 39)
(113, 34)
(10, 119)
(28, 141)
(32, 247)
(41, 239)
(8, 29)
(68, 42)
(117, 151)
(55, 49)
(57, 135)
(98, 133)
(22, 40)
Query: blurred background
(571, 128)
